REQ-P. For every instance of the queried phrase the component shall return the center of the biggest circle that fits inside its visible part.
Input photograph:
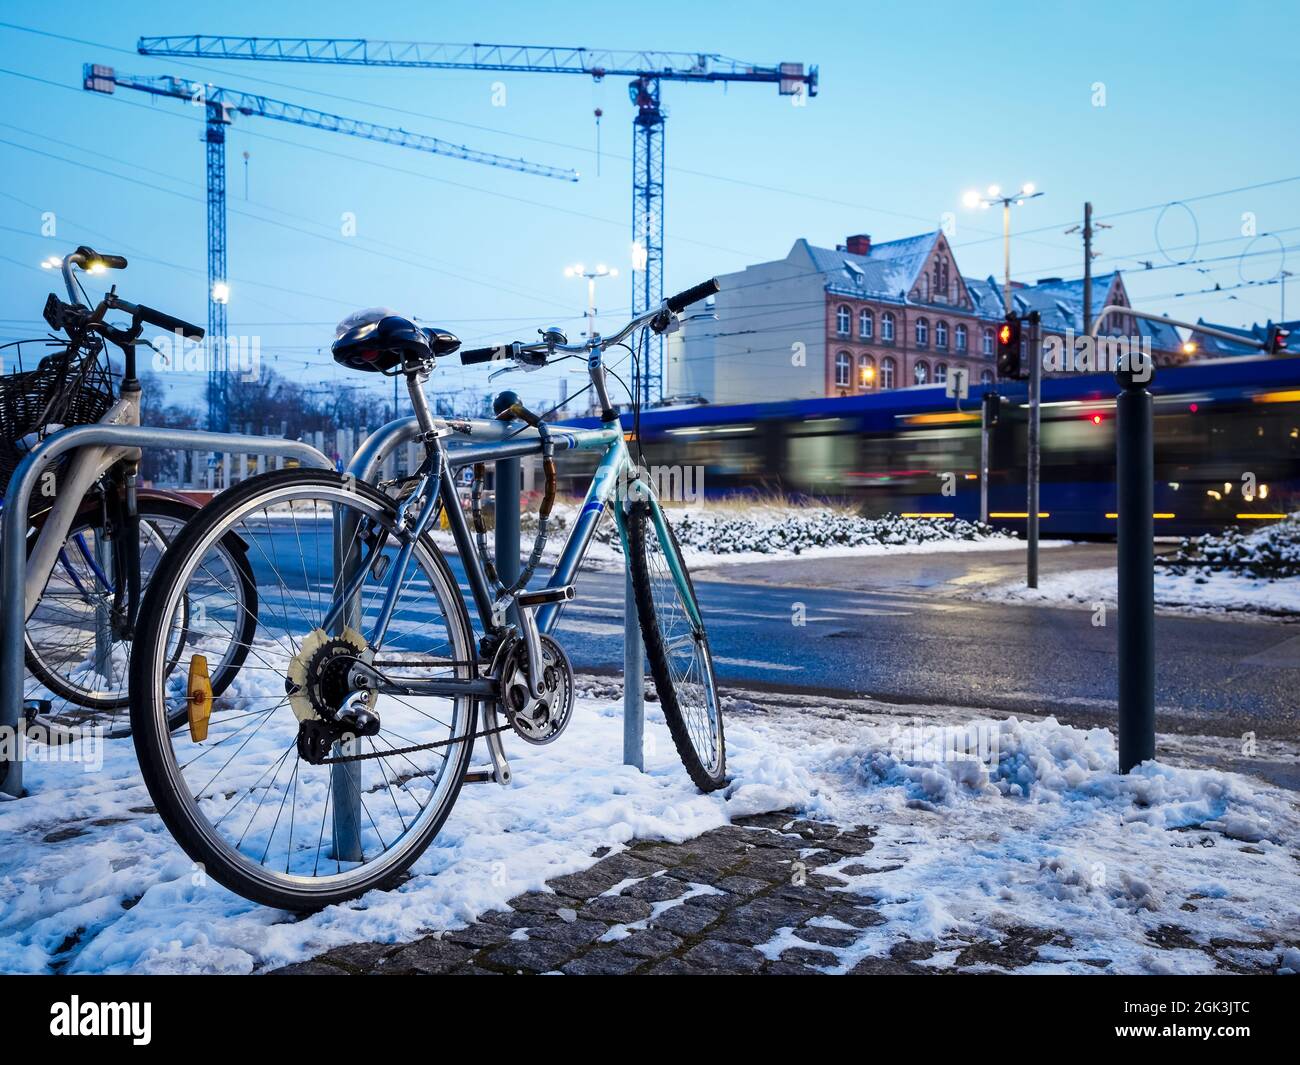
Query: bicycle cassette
(317, 680)
(537, 720)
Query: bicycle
(361, 699)
(95, 536)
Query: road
(893, 628)
(896, 628)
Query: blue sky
(918, 103)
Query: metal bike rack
(13, 537)
(387, 439)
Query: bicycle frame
(614, 471)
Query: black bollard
(1135, 499)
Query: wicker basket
(69, 387)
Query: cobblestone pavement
(704, 906)
(746, 898)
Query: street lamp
(601, 270)
(986, 200)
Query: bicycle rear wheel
(677, 647)
(245, 801)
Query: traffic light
(992, 405)
(1275, 340)
(1009, 348)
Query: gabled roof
(1060, 304)
(987, 296)
(1211, 345)
(888, 272)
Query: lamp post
(578, 270)
(986, 200)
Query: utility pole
(1087, 264)
(988, 419)
(1035, 396)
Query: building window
(960, 333)
(887, 372)
(941, 335)
(866, 373)
(866, 324)
(887, 327)
(986, 378)
(922, 333)
(986, 344)
(940, 372)
(843, 369)
(922, 372)
(842, 320)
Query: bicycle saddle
(442, 341)
(379, 339)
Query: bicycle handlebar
(472, 356)
(694, 294)
(161, 320)
(658, 319)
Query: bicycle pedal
(543, 596)
(483, 775)
(33, 708)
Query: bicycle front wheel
(247, 801)
(677, 647)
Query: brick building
(835, 322)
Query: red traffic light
(1275, 340)
(1004, 334)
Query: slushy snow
(1037, 828)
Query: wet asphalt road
(894, 628)
(913, 642)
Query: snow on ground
(1193, 591)
(1253, 571)
(1042, 831)
(713, 534)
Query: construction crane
(646, 69)
(220, 106)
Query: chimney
(858, 244)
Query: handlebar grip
(477, 355)
(168, 322)
(89, 255)
(692, 295)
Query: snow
(981, 824)
(1192, 591)
(713, 534)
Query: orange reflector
(926, 514)
(199, 701)
(1017, 514)
(1260, 517)
(1157, 515)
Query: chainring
(538, 721)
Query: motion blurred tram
(888, 452)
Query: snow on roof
(887, 272)
(1060, 303)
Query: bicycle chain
(411, 750)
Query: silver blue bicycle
(334, 757)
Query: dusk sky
(917, 104)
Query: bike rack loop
(13, 539)
(381, 443)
